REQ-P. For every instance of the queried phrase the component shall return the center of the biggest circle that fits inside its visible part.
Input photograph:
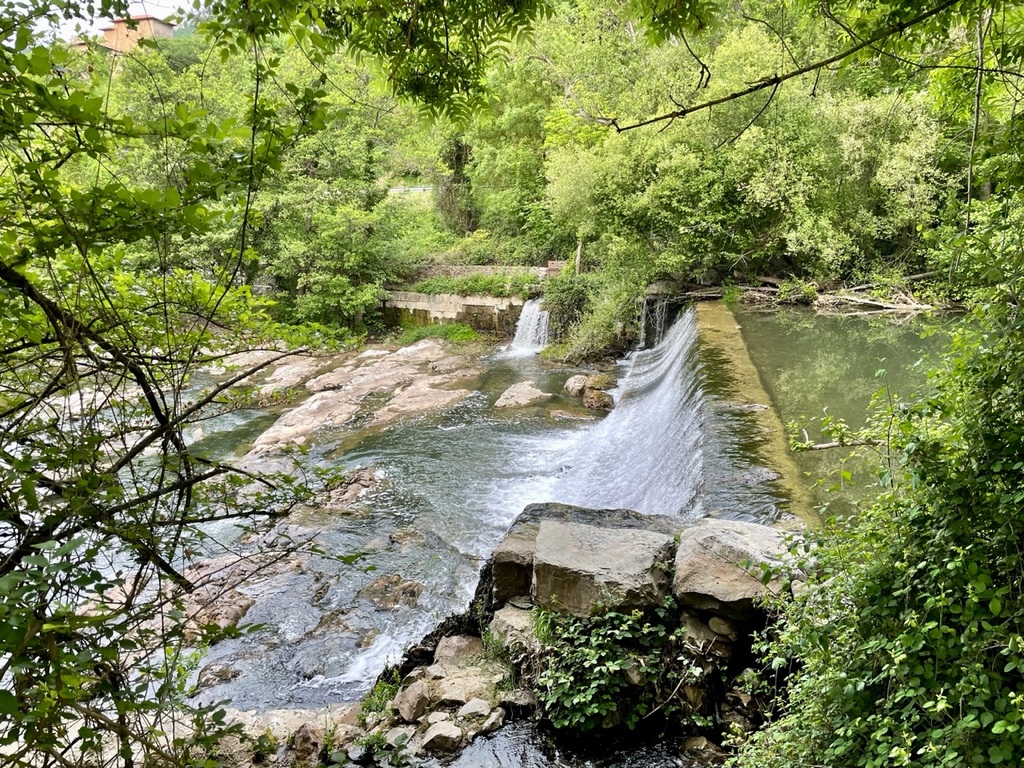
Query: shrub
(501, 285)
(614, 668)
(907, 644)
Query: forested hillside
(855, 171)
(236, 185)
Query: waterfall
(654, 319)
(646, 455)
(531, 330)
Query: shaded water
(832, 365)
(523, 745)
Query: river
(680, 442)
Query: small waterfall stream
(646, 455)
(531, 330)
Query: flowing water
(452, 482)
(656, 430)
(531, 330)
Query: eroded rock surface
(719, 565)
(598, 400)
(403, 379)
(575, 385)
(577, 567)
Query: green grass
(454, 332)
(500, 285)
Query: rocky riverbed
(476, 672)
(438, 469)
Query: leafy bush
(797, 292)
(500, 285)
(614, 668)
(907, 644)
(567, 297)
(610, 321)
(380, 696)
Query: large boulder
(513, 557)
(519, 395)
(512, 563)
(602, 381)
(577, 567)
(720, 565)
(464, 683)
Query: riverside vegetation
(227, 188)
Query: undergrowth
(500, 285)
(615, 669)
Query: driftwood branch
(838, 444)
(909, 306)
(907, 279)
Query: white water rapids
(646, 455)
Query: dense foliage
(618, 669)
(909, 636)
(138, 197)
(229, 187)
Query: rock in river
(576, 566)
(520, 394)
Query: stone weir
(484, 313)
(476, 669)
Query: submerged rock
(598, 400)
(388, 592)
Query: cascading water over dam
(646, 455)
(531, 330)
(450, 484)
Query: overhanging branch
(775, 80)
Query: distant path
(408, 190)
